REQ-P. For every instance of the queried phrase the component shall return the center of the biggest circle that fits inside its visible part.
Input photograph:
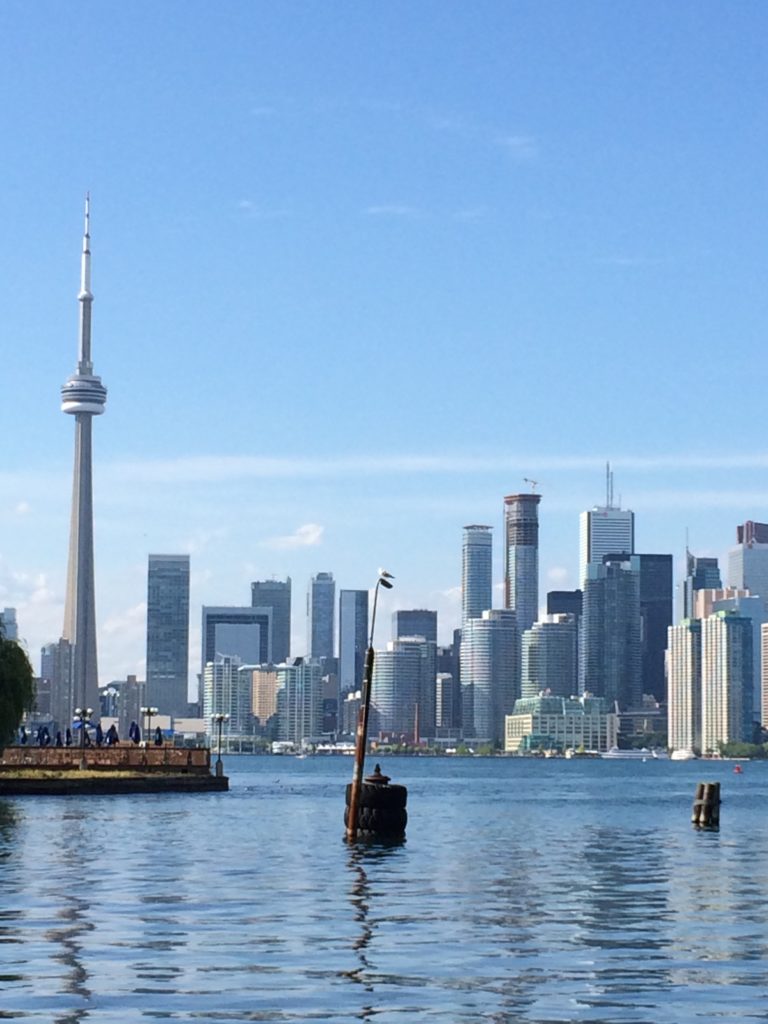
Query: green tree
(17, 690)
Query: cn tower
(83, 396)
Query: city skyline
(551, 225)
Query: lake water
(526, 891)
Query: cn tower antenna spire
(85, 296)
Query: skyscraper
(321, 598)
(550, 658)
(726, 680)
(353, 639)
(83, 396)
(8, 626)
(611, 639)
(276, 594)
(700, 574)
(476, 572)
(243, 633)
(684, 685)
(415, 622)
(604, 530)
(521, 557)
(490, 673)
(655, 579)
(748, 561)
(299, 700)
(168, 633)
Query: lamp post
(148, 712)
(219, 719)
(361, 738)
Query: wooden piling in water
(706, 806)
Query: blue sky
(361, 268)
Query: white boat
(682, 755)
(644, 754)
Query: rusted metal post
(361, 742)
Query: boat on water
(682, 755)
(644, 754)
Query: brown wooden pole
(361, 742)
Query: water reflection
(361, 898)
(73, 913)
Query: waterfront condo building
(398, 684)
(684, 685)
(726, 680)
(521, 557)
(300, 700)
(476, 572)
(550, 658)
(168, 633)
(490, 674)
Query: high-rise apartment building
(83, 396)
(726, 680)
(476, 572)
(415, 622)
(490, 674)
(227, 690)
(764, 673)
(321, 599)
(521, 557)
(611, 633)
(300, 700)
(353, 639)
(748, 561)
(684, 685)
(168, 633)
(656, 590)
(242, 633)
(276, 594)
(550, 658)
(752, 608)
(700, 574)
(398, 682)
(604, 530)
(8, 625)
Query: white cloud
(521, 148)
(557, 574)
(307, 536)
(22, 508)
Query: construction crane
(534, 483)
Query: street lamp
(149, 712)
(361, 739)
(83, 715)
(219, 719)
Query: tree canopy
(17, 690)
